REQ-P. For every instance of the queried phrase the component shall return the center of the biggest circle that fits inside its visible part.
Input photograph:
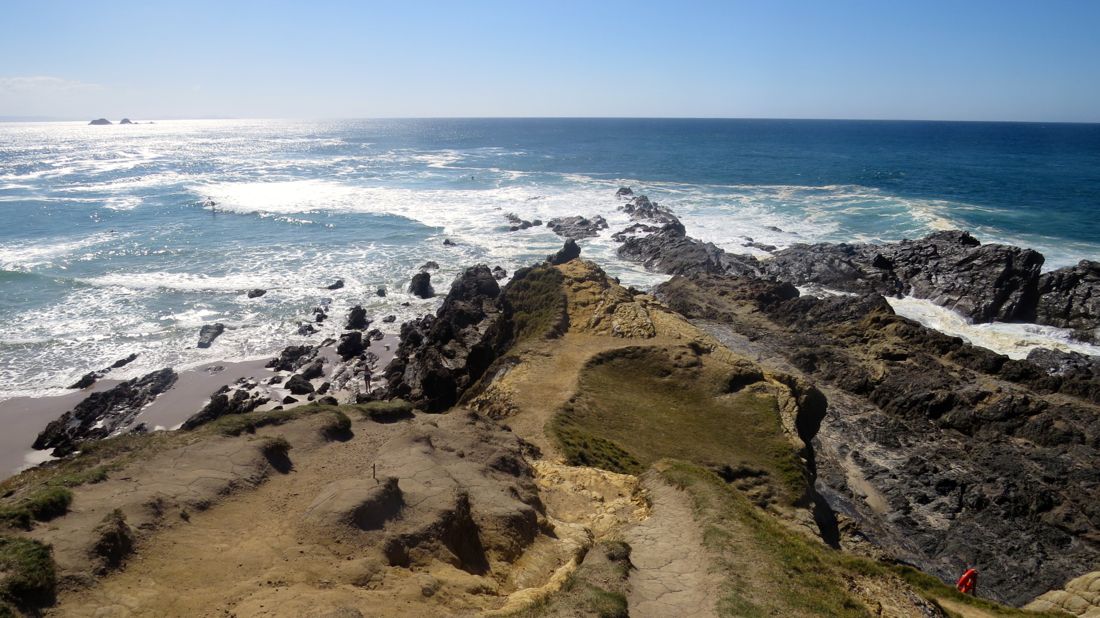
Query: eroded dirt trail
(673, 574)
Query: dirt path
(673, 575)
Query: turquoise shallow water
(106, 248)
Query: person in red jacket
(968, 582)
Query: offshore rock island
(558, 444)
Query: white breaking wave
(1012, 340)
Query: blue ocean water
(107, 249)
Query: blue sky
(962, 60)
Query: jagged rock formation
(577, 227)
(943, 453)
(421, 285)
(92, 377)
(516, 223)
(570, 251)
(441, 355)
(102, 414)
(100, 121)
(242, 401)
(1070, 297)
(953, 269)
(209, 332)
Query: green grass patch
(385, 411)
(638, 405)
(28, 577)
(538, 303)
(768, 570)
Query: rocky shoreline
(881, 438)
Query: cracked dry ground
(673, 575)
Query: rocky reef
(104, 413)
(983, 282)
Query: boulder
(357, 318)
(380, 292)
(389, 319)
(292, 358)
(351, 345)
(209, 332)
(256, 293)
(499, 273)
(447, 242)
(570, 251)
(126, 121)
(100, 121)
(298, 385)
(104, 413)
(429, 265)
(421, 285)
(336, 285)
(624, 192)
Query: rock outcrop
(227, 400)
(208, 333)
(104, 413)
(984, 283)
(357, 319)
(570, 251)
(92, 377)
(577, 227)
(421, 285)
(440, 356)
(100, 121)
(943, 454)
(1070, 297)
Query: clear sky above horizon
(960, 60)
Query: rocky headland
(561, 445)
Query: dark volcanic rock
(429, 265)
(624, 192)
(421, 285)
(499, 273)
(336, 285)
(357, 318)
(126, 121)
(102, 414)
(100, 121)
(86, 380)
(440, 356)
(222, 403)
(641, 208)
(577, 227)
(351, 345)
(92, 377)
(942, 454)
(516, 223)
(952, 269)
(292, 358)
(298, 385)
(570, 251)
(256, 293)
(389, 319)
(380, 292)
(447, 242)
(1070, 297)
(209, 332)
(122, 362)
